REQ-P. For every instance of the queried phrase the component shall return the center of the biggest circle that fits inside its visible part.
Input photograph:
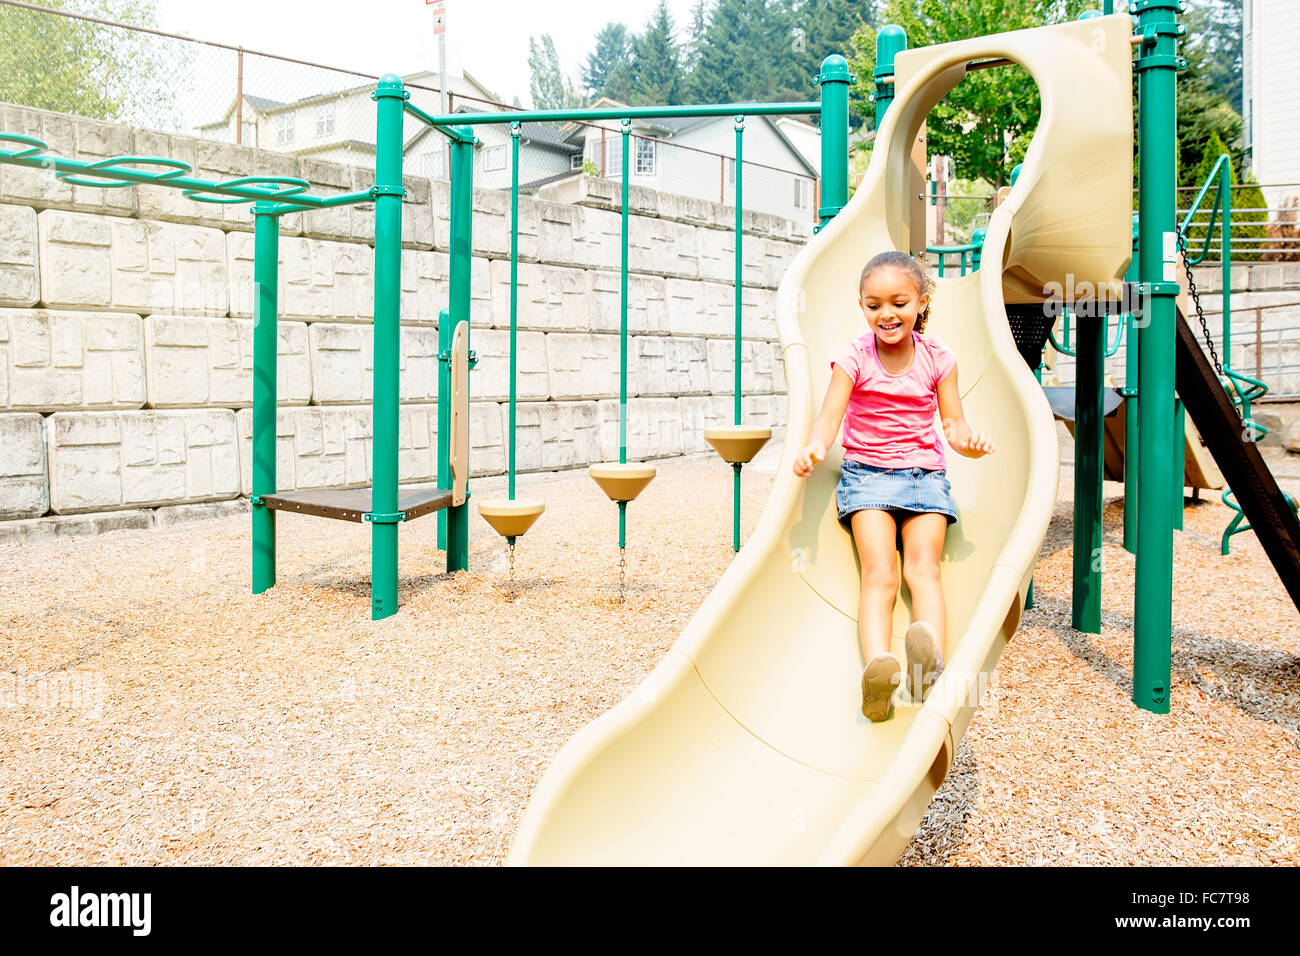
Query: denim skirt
(903, 491)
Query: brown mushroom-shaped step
(737, 443)
(621, 481)
(510, 518)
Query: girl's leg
(923, 536)
(874, 534)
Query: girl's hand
(978, 444)
(808, 458)
(965, 442)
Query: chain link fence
(73, 62)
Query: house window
(614, 156)
(494, 158)
(575, 161)
(248, 136)
(284, 128)
(802, 193)
(645, 157)
(431, 165)
(325, 119)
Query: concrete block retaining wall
(126, 331)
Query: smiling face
(892, 303)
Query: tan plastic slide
(746, 744)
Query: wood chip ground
(152, 711)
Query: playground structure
(750, 711)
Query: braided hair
(904, 263)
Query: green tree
(656, 61)
(747, 53)
(986, 122)
(75, 66)
(1207, 86)
(1245, 225)
(1213, 47)
(823, 27)
(549, 88)
(608, 71)
(691, 48)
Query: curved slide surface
(746, 744)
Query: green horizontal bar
(452, 134)
(969, 247)
(144, 178)
(627, 112)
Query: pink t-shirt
(890, 419)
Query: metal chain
(512, 562)
(622, 573)
(1200, 314)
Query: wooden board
(1254, 486)
(351, 504)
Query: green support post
(736, 360)
(514, 299)
(266, 268)
(444, 416)
(1157, 65)
(1179, 461)
(622, 313)
(388, 193)
(1130, 393)
(890, 41)
(1090, 373)
(835, 80)
(462, 209)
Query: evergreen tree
(609, 66)
(824, 27)
(746, 54)
(1213, 47)
(548, 86)
(690, 58)
(1206, 88)
(656, 62)
(1245, 225)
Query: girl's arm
(963, 440)
(827, 423)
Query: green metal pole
(736, 389)
(1179, 461)
(444, 415)
(1090, 372)
(388, 263)
(622, 311)
(1130, 393)
(835, 80)
(462, 210)
(514, 291)
(890, 41)
(740, 235)
(1157, 67)
(266, 267)
(1225, 257)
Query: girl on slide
(884, 388)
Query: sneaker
(879, 678)
(924, 659)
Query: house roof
(261, 103)
(544, 135)
(547, 180)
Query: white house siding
(1271, 91)
(535, 162)
(764, 190)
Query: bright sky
(489, 38)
